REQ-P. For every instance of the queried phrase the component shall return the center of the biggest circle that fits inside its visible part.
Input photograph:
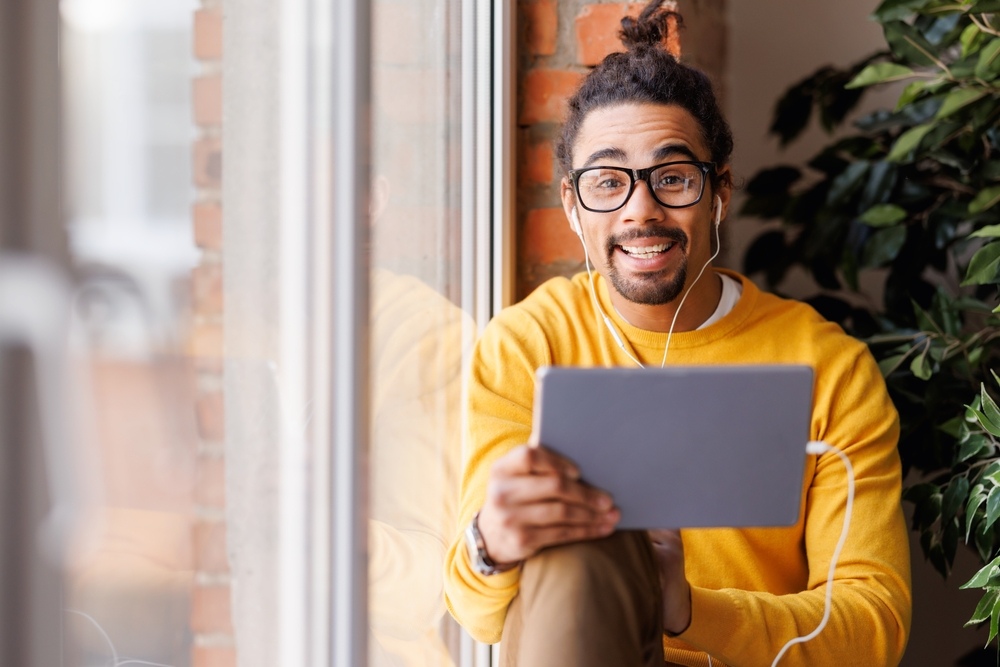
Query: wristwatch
(481, 561)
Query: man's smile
(646, 252)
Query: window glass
(420, 335)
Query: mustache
(676, 235)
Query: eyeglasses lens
(607, 188)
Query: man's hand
(676, 590)
(535, 499)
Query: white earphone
(718, 211)
(574, 223)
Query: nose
(641, 206)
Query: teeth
(646, 252)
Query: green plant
(912, 198)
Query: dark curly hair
(647, 72)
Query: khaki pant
(595, 603)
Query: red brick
(206, 346)
(674, 37)
(210, 409)
(206, 96)
(210, 489)
(545, 94)
(210, 547)
(206, 218)
(208, 34)
(597, 28)
(206, 286)
(542, 19)
(537, 164)
(211, 610)
(548, 238)
(213, 656)
(207, 162)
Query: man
(646, 154)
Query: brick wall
(559, 41)
(211, 617)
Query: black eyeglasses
(672, 184)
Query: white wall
(770, 48)
(772, 45)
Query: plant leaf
(910, 93)
(992, 507)
(958, 99)
(892, 10)
(985, 200)
(976, 498)
(908, 141)
(989, 406)
(890, 364)
(990, 427)
(954, 497)
(880, 73)
(985, 607)
(970, 39)
(989, 60)
(987, 232)
(883, 246)
(883, 215)
(984, 266)
(921, 366)
(907, 43)
(972, 446)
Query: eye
(674, 179)
(604, 180)
(667, 180)
(609, 182)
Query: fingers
(534, 460)
(535, 499)
(521, 531)
(669, 550)
(547, 487)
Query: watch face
(477, 550)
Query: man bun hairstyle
(647, 72)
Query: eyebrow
(616, 154)
(671, 150)
(662, 153)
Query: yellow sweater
(752, 590)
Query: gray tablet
(684, 447)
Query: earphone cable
(718, 246)
(818, 447)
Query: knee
(622, 563)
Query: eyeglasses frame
(636, 175)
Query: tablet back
(684, 447)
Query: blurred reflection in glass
(418, 334)
(127, 70)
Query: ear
(568, 200)
(724, 189)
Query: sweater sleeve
(870, 612)
(500, 400)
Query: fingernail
(604, 502)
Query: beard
(655, 288)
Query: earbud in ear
(574, 222)
(718, 210)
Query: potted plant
(912, 197)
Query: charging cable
(816, 447)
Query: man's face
(648, 252)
